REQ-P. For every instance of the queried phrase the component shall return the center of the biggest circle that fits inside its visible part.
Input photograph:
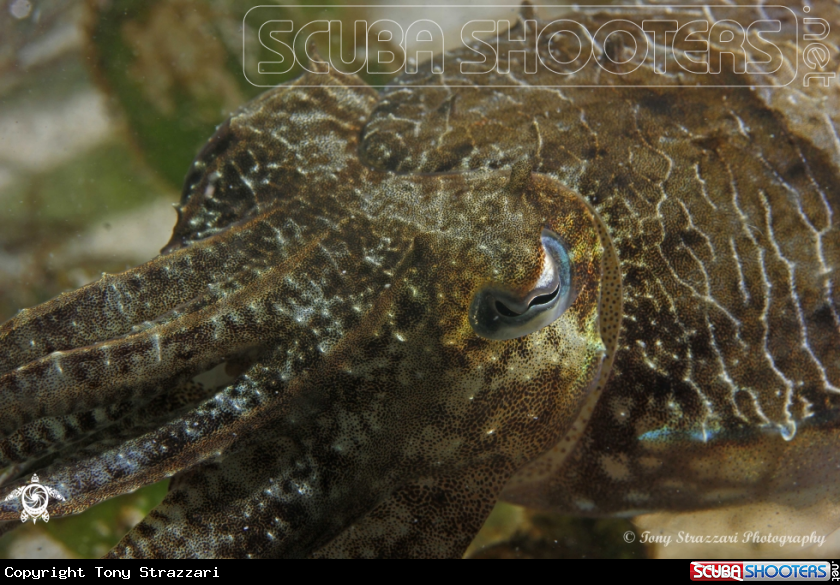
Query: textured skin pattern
(329, 243)
(727, 229)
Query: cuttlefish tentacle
(137, 299)
(48, 435)
(135, 365)
(79, 436)
(141, 294)
(258, 154)
(104, 470)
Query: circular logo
(34, 499)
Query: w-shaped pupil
(540, 300)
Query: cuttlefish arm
(382, 377)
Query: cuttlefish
(595, 301)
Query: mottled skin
(329, 243)
(727, 228)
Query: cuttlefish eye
(498, 314)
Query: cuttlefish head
(506, 297)
(475, 359)
(397, 346)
